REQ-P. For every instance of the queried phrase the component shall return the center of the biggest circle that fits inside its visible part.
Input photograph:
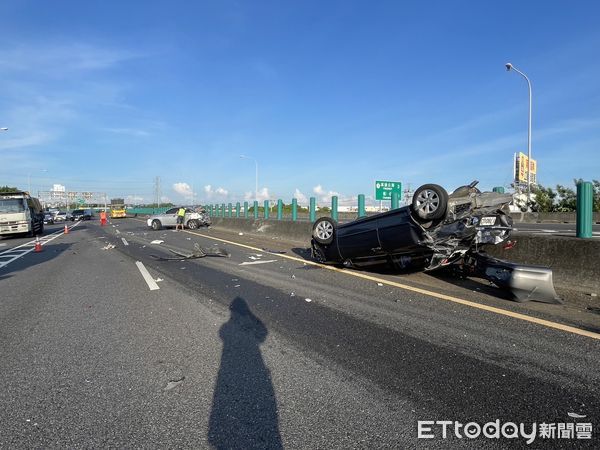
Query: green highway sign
(80, 201)
(384, 189)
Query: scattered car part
(199, 252)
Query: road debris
(108, 247)
(277, 252)
(307, 300)
(199, 252)
(247, 263)
(174, 383)
(157, 241)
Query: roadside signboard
(384, 189)
(521, 161)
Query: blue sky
(325, 96)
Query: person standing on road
(102, 218)
(180, 216)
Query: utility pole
(157, 191)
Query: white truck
(20, 214)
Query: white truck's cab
(20, 214)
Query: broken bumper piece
(524, 282)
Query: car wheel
(324, 230)
(156, 225)
(430, 202)
(192, 224)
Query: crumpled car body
(437, 230)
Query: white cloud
(128, 131)
(215, 193)
(134, 199)
(183, 189)
(324, 196)
(59, 59)
(302, 199)
(263, 194)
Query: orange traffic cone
(66, 229)
(38, 245)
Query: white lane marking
(149, 280)
(125, 241)
(247, 263)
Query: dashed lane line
(147, 277)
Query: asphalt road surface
(110, 340)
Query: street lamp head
(508, 66)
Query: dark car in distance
(437, 230)
(81, 214)
(48, 218)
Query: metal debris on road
(199, 252)
(108, 247)
(307, 300)
(247, 263)
(277, 252)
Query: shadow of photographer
(244, 410)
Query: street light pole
(256, 175)
(510, 67)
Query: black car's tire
(430, 202)
(193, 224)
(324, 230)
(156, 225)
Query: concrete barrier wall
(575, 262)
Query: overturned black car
(437, 230)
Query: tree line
(561, 199)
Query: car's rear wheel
(324, 230)
(193, 224)
(156, 225)
(430, 202)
